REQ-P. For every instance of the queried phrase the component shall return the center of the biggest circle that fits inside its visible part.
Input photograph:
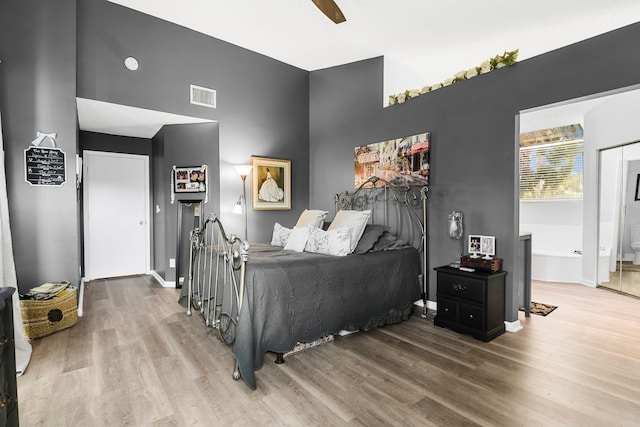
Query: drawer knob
(471, 316)
(5, 399)
(458, 287)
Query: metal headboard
(402, 209)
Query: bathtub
(566, 267)
(556, 266)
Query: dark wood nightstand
(471, 302)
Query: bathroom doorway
(619, 216)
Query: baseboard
(161, 281)
(514, 326)
(431, 305)
(81, 297)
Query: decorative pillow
(311, 217)
(280, 235)
(370, 236)
(387, 240)
(297, 239)
(335, 242)
(355, 220)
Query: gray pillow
(370, 236)
(385, 241)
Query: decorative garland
(498, 61)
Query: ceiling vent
(203, 96)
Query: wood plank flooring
(136, 359)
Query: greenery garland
(498, 61)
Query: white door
(116, 214)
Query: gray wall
(262, 103)
(37, 93)
(262, 110)
(181, 145)
(114, 143)
(473, 125)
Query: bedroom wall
(473, 125)
(181, 145)
(37, 93)
(262, 104)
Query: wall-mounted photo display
(270, 184)
(404, 162)
(638, 187)
(191, 179)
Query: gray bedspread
(296, 297)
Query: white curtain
(8, 269)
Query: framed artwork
(638, 187)
(270, 184)
(404, 162)
(488, 246)
(192, 179)
(474, 245)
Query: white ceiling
(423, 42)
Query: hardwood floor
(136, 359)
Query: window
(551, 163)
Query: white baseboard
(514, 326)
(432, 305)
(161, 281)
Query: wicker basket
(44, 317)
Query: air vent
(203, 96)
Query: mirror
(619, 216)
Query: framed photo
(192, 179)
(270, 184)
(474, 245)
(638, 187)
(488, 246)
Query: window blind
(552, 171)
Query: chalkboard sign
(45, 166)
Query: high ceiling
(423, 42)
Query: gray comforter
(293, 297)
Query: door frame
(147, 210)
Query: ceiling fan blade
(331, 9)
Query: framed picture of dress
(270, 184)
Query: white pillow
(280, 235)
(297, 239)
(355, 220)
(311, 217)
(335, 242)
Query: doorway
(619, 219)
(116, 214)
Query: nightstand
(471, 302)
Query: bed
(273, 297)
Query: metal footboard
(216, 282)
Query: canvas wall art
(402, 161)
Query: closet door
(619, 213)
(116, 214)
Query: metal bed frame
(217, 261)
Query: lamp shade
(243, 170)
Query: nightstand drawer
(461, 287)
(472, 316)
(448, 309)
